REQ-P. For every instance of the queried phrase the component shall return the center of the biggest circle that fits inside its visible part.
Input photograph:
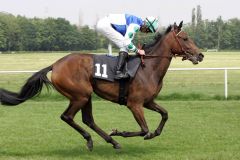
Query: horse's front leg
(138, 114)
(155, 107)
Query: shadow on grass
(100, 151)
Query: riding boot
(120, 66)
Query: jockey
(121, 29)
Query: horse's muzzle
(194, 58)
(200, 57)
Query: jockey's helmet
(152, 23)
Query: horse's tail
(32, 87)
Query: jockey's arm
(129, 36)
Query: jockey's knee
(123, 49)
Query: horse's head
(183, 46)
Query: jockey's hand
(141, 52)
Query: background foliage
(24, 34)
(217, 34)
(19, 33)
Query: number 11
(98, 72)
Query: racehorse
(72, 76)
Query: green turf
(35, 61)
(195, 130)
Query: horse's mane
(148, 47)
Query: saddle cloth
(105, 66)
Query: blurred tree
(51, 34)
(3, 38)
(233, 26)
(11, 30)
(28, 33)
(199, 33)
(88, 39)
(219, 25)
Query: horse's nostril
(200, 54)
(200, 57)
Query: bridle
(176, 36)
(174, 52)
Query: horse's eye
(185, 39)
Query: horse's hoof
(90, 145)
(148, 136)
(117, 146)
(114, 132)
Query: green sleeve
(132, 47)
(131, 31)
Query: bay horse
(72, 76)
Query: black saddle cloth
(105, 66)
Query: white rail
(198, 69)
(6, 72)
(170, 69)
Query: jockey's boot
(120, 66)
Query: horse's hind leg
(87, 118)
(69, 115)
(139, 117)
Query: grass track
(195, 130)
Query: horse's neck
(160, 64)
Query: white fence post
(226, 83)
(109, 49)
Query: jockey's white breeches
(104, 27)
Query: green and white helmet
(152, 23)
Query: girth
(123, 91)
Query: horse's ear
(180, 25)
(175, 25)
